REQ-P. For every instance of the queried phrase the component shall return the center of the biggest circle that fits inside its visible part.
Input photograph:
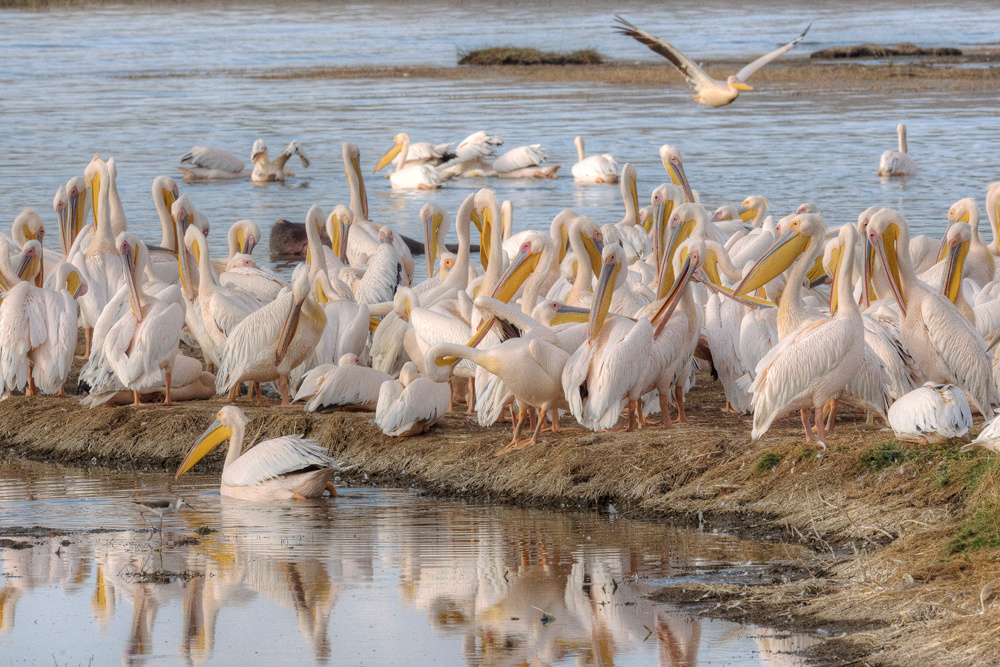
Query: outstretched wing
(687, 66)
(212, 158)
(748, 71)
(290, 150)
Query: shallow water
(374, 577)
(69, 93)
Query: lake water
(145, 84)
(376, 577)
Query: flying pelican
(709, 91)
(594, 169)
(897, 163)
(346, 385)
(946, 347)
(816, 362)
(411, 404)
(524, 162)
(931, 414)
(271, 341)
(416, 177)
(291, 466)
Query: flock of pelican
(594, 320)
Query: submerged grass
(512, 55)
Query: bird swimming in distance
(710, 92)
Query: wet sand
(878, 517)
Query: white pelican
(38, 331)
(264, 170)
(138, 341)
(957, 241)
(980, 264)
(525, 162)
(897, 163)
(594, 169)
(993, 213)
(411, 404)
(271, 341)
(816, 362)
(118, 223)
(470, 157)
(346, 385)
(709, 91)
(416, 177)
(211, 163)
(612, 359)
(670, 156)
(931, 414)
(944, 344)
(383, 275)
(243, 274)
(989, 437)
(242, 238)
(291, 466)
(28, 226)
(318, 256)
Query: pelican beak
(373, 323)
(711, 267)
(320, 294)
(567, 314)
(673, 298)
(74, 285)
(678, 177)
(663, 228)
(390, 154)
(817, 271)
(951, 281)
(169, 197)
(485, 228)
(822, 280)
(775, 261)
(345, 233)
(184, 270)
(216, 434)
(64, 215)
(431, 229)
(26, 262)
(748, 214)
(739, 85)
(288, 331)
(889, 262)
(94, 185)
(634, 193)
(594, 248)
(602, 298)
(746, 300)
(676, 236)
(563, 243)
(133, 287)
(362, 193)
(835, 282)
(520, 268)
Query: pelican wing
(251, 340)
(290, 150)
(932, 409)
(688, 68)
(400, 409)
(748, 71)
(961, 348)
(520, 158)
(348, 386)
(153, 343)
(277, 457)
(387, 344)
(212, 158)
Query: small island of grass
(509, 55)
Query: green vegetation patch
(980, 531)
(511, 55)
(767, 462)
(883, 456)
(879, 51)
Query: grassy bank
(904, 538)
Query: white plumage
(524, 162)
(930, 414)
(346, 385)
(412, 404)
(594, 169)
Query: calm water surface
(375, 577)
(145, 84)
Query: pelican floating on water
(709, 91)
(898, 162)
(291, 466)
(414, 176)
(524, 162)
(594, 169)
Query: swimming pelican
(411, 404)
(264, 170)
(946, 347)
(271, 341)
(524, 162)
(470, 157)
(709, 91)
(612, 359)
(346, 385)
(816, 362)
(931, 414)
(291, 466)
(594, 169)
(418, 176)
(211, 163)
(897, 163)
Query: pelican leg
(286, 401)
(32, 389)
(62, 392)
(534, 418)
(522, 416)
(820, 431)
(88, 336)
(166, 397)
(260, 397)
(137, 401)
(729, 408)
(554, 417)
(514, 446)
(332, 489)
(665, 411)
(804, 414)
(470, 396)
(631, 409)
(681, 418)
(832, 417)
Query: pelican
(346, 385)
(242, 238)
(118, 223)
(980, 264)
(261, 283)
(670, 156)
(931, 414)
(383, 276)
(291, 466)
(709, 91)
(612, 359)
(28, 226)
(524, 162)
(594, 169)
(271, 341)
(897, 163)
(411, 404)
(265, 171)
(38, 334)
(816, 362)
(75, 220)
(470, 157)
(946, 347)
(989, 437)
(211, 163)
(414, 177)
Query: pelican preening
(708, 91)
(202, 163)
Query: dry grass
(879, 51)
(511, 55)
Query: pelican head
(349, 359)
(725, 213)
(485, 211)
(670, 156)
(889, 238)
(593, 241)
(352, 170)
(408, 373)
(338, 228)
(612, 260)
(522, 265)
(754, 208)
(666, 198)
(805, 233)
(687, 262)
(432, 217)
(30, 264)
(447, 263)
(964, 210)
(300, 291)
(28, 226)
(95, 175)
(404, 301)
(259, 150)
(808, 207)
(628, 185)
(553, 313)
(68, 278)
(385, 235)
(400, 141)
(681, 225)
(957, 241)
(132, 252)
(735, 82)
(165, 189)
(228, 420)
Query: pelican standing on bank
(278, 469)
(710, 92)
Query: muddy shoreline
(882, 519)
